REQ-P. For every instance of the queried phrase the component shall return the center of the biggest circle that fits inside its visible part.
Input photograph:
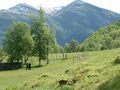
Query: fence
(81, 56)
(57, 56)
(61, 57)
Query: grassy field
(97, 72)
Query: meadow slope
(97, 72)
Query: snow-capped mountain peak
(52, 10)
(23, 8)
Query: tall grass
(98, 72)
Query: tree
(67, 48)
(52, 41)
(3, 55)
(42, 37)
(18, 41)
(73, 45)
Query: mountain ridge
(81, 15)
(77, 21)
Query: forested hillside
(106, 38)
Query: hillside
(77, 21)
(7, 18)
(106, 38)
(98, 72)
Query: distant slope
(7, 18)
(79, 20)
(106, 38)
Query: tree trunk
(39, 61)
(26, 59)
(63, 56)
(47, 60)
(18, 60)
(47, 54)
(11, 59)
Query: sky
(5, 4)
(113, 5)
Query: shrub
(117, 60)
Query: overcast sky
(113, 5)
(5, 4)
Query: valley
(77, 20)
(70, 47)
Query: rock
(67, 71)
(62, 82)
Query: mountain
(52, 10)
(105, 38)
(20, 12)
(7, 18)
(78, 20)
(23, 9)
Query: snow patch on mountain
(53, 10)
(23, 8)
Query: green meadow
(97, 72)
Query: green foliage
(72, 46)
(42, 36)
(66, 87)
(58, 48)
(18, 41)
(106, 38)
(117, 60)
(96, 72)
(112, 84)
(67, 47)
(2, 52)
(45, 81)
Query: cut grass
(96, 72)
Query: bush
(112, 84)
(117, 60)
